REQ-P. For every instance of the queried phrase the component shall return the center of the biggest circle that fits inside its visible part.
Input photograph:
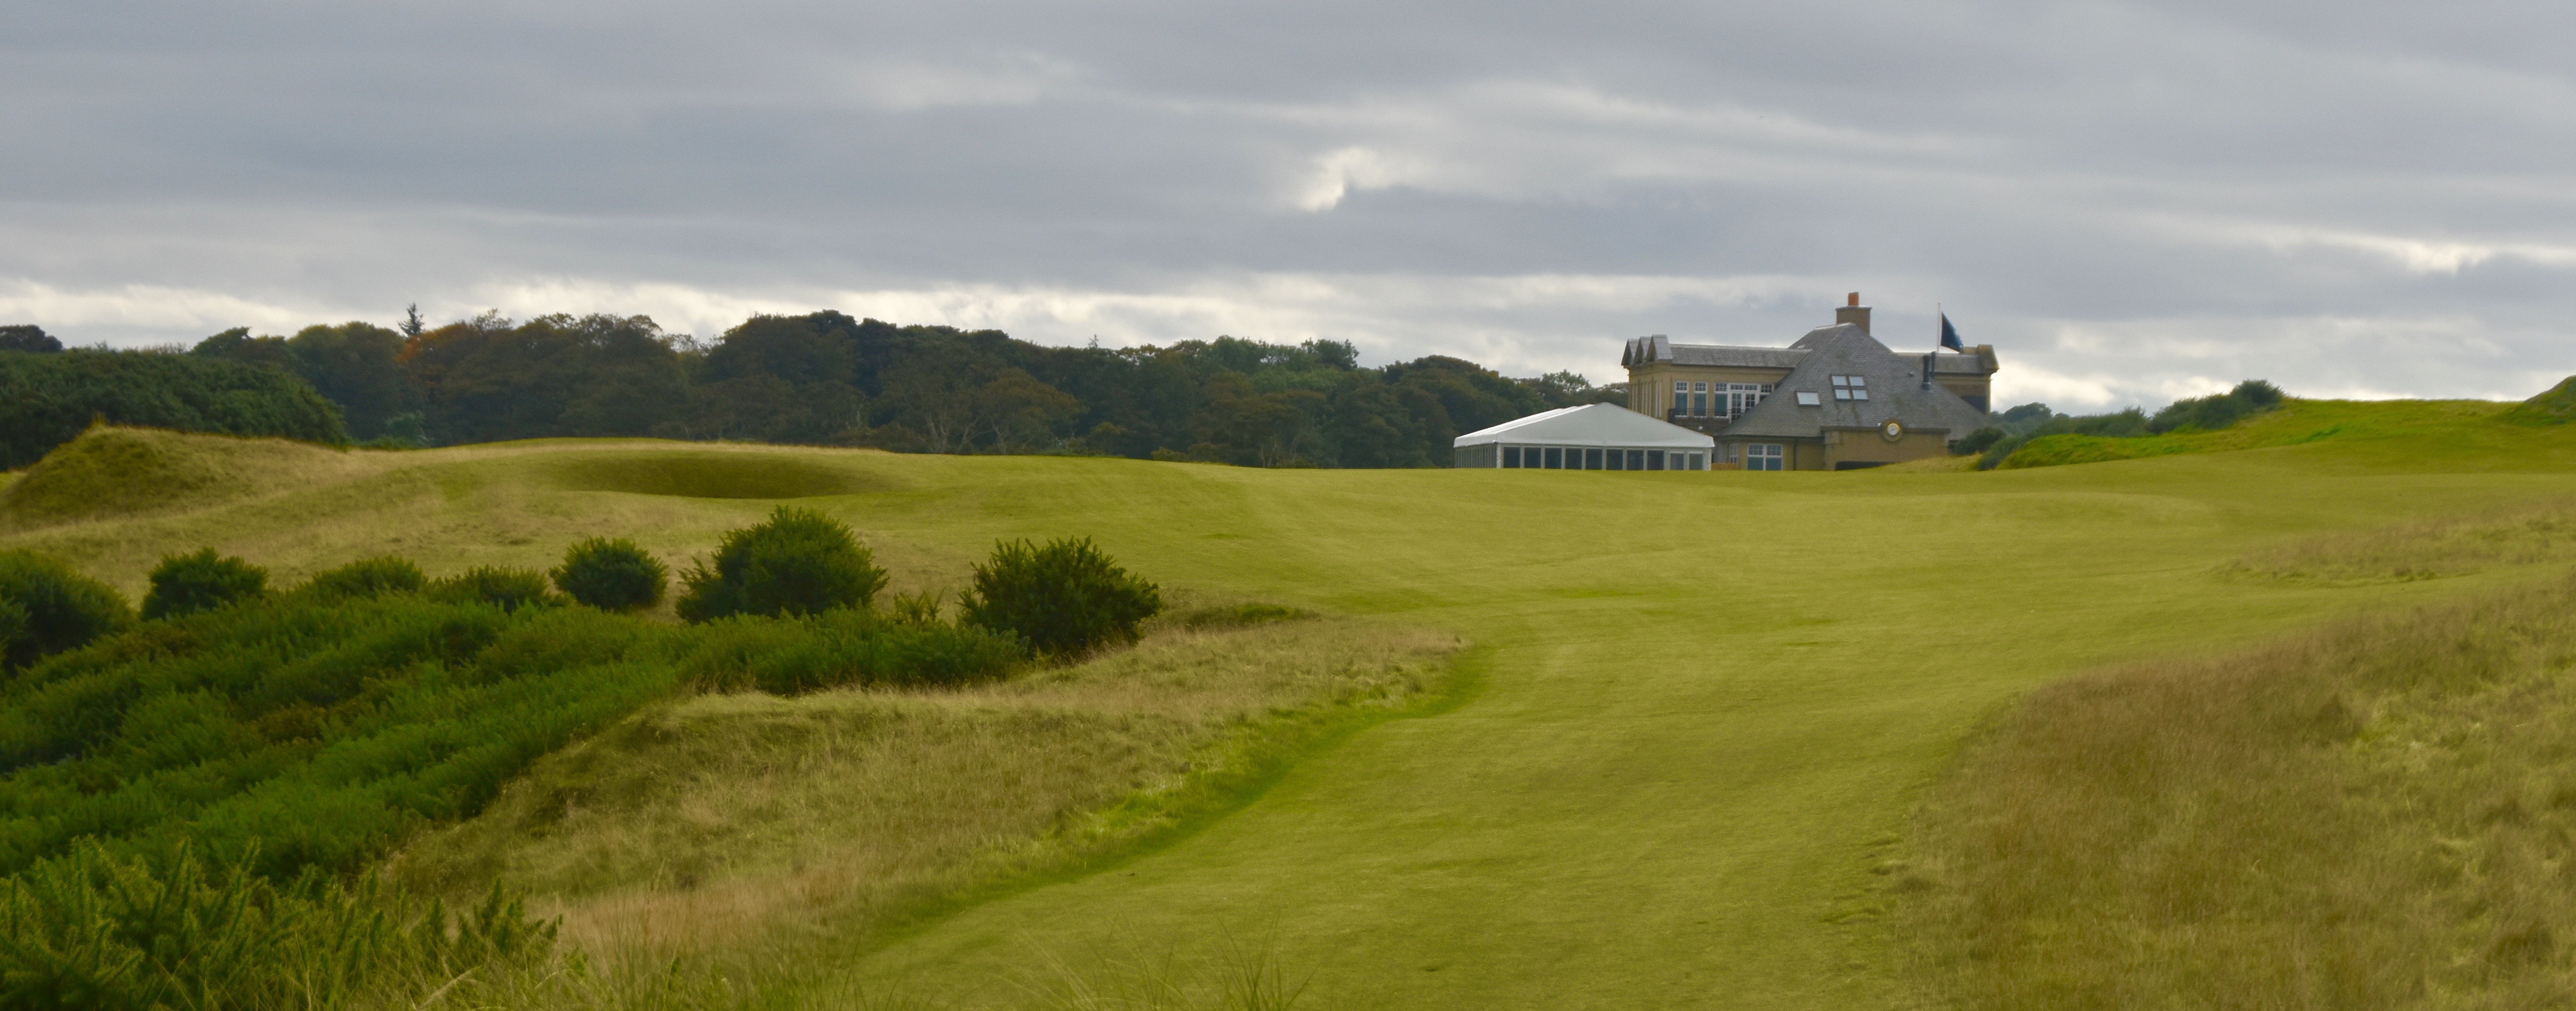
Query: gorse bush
(2219, 410)
(797, 562)
(2030, 422)
(1062, 599)
(316, 731)
(186, 584)
(507, 589)
(50, 608)
(47, 400)
(2128, 424)
(611, 575)
(366, 578)
(842, 648)
(99, 930)
(1979, 441)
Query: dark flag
(1950, 335)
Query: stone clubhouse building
(1837, 399)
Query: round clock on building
(1894, 430)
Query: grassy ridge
(2372, 816)
(2297, 422)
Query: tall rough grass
(2378, 815)
(2424, 549)
(730, 823)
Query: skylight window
(1851, 387)
(1808, 398)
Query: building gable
(1894, 385)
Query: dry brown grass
(2426, 549)
(2378, 815)
(743, 822)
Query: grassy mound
(110, 471)
(2297, 422)
(724, 819)
(2556, 406)
(2364, 817)
(716, 475)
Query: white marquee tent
(1590, 437)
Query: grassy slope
(2297, 422)
(1711, 695)
(694, 828)
(2374, 815)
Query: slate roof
(1895, 383)
(1590, 425)
(1660, 348)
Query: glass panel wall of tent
(1601, 458)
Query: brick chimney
(1853, 312)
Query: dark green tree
(355, 365)
(28, 337)
(46, 400)
(237, 345)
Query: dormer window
(1851, 387)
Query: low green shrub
(99, 930)
(317, 731)
(842, 648)
(611, 575)
(187, 584)
(311, 731)
(507, 589)
(2219, 410)
(367, 578)
(1978, 441)
(797, 562)
(1061, 599)
(56, 608)
(2128, 424)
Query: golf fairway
(1701, 704)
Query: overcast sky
(2132, 202)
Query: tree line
(826, 378)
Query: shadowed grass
(2381, 814)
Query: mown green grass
(1712, 698)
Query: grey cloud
(2129, 199)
